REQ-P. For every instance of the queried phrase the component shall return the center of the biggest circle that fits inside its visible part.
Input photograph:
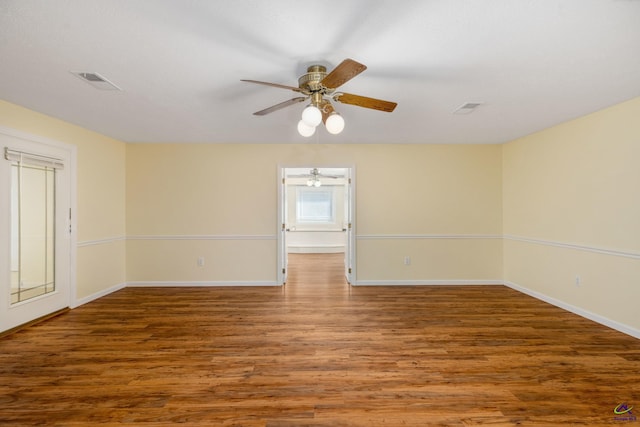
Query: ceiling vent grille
(95, 80)
(467, 108)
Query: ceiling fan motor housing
(311, 81)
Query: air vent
(92, 77)
(467, 108)
(95, 80)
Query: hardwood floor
(318, 353)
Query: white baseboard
(171, 284)
(425, 282)
(102, 293)
(626, 329)
(329, 249)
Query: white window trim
(300, 190)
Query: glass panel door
(32, 231)
(35, 257)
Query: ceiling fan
(314, 177)
(320, 88)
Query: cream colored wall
(224, 197)
(100, 198)
(572, 209)
(565, 198)
(440, 205)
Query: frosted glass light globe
(305, 130)
(311, 116)
(335, 124)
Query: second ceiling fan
(320, 88)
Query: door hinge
(349, 226)
(349, 270)
(69, 220)
(283, 180)
(283, 271)
(349, 180)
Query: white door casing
(350, 250)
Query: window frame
(302, 219)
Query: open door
(282, 236)
(315, 211)
(348, 222)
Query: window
(315, 205)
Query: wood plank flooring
(318, 353)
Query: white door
(348, 221)
(35, 195)
(283, 227)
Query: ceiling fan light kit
(311, 116)
(334, 124)
(313, 177)
(305, 130)
(314, 182)
(320, 88)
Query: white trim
(205, 237)
(101, 241)
(576, 310)
(78, 302)
(108, 240)
(593, 249)
(564, 245)
(426, 236)
(73, 226)
(315, 230)
(187, 284)
(315, 249)
(448, 282)
(34, 138)
(350, 255)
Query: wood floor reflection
(317, 352)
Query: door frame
(70, 151)
(350, 247)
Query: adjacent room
(350, 213)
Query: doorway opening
(316, 213)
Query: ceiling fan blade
(279, 106)
(363, 101)
(296, 89)
(344, 72)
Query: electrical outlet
(201, 261)
(407, 260)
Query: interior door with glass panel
(35, 258)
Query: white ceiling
(532, 63)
